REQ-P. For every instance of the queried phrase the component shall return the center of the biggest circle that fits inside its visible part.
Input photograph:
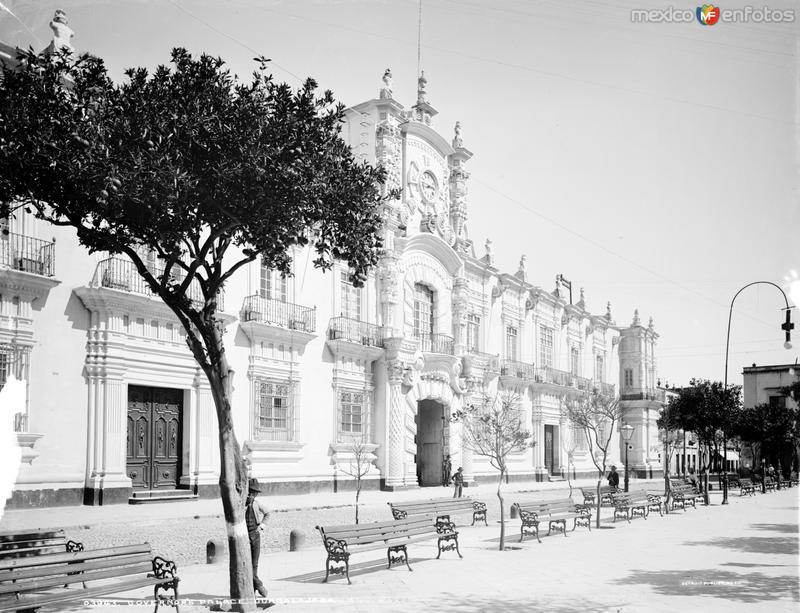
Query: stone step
(151, 496)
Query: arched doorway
(432, 441)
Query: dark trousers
(255, 553)
(457, 492)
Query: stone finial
(650, 324)
(636, 320)
(557, 290)
(522, 263)
(422, 82)
(582, 301)
(608, 311)
(386, 90)
(62, 33)
(458, 142)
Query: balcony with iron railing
(27, 254)
(548, 375)
(121, 274)
(279, 313)
(355, 331)
(519, 370)
(436, 343)
(659, 395)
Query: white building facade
(117, 409)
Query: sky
(655, 165)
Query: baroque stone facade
(117, 409)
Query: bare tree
(597, 415)
(672, 437)
(494, 429)
(358, 466)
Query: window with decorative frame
(511, 342)
(599, 367)
(14, 360)
(473, 332)
(350, 297)
(423, 311)
(628, 377)
(353, 422)
(274, 410)
(575, 361)
(545, 346)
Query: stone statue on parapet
(422, 82)
(458, 142)
(386, 91)
(62, 33)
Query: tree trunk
(597, 498)
(502, 511)
(358, 494)
(232, 483)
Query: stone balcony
(355, 338)
(27, 254)
(266, 319)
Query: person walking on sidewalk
(447, 468)
(458, 482)
(255, 515)
(613, 477)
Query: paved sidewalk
(739, 557)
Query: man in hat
(613, 477)
(255, 515)
(458, 482)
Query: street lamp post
(627, 433)
(787, 327)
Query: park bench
(733, 479)
(54, 579)
(440, 507)
(630, 504)
(769, 484)
(23, 543)
(555, 513)
(793, 479)
(784, 483)
(590, 495)
(747, 487)
(342, 541)
(683, 493)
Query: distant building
(118, 409)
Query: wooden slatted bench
(683, 493)
(51, 579)
(23, 543)
(733, 479)
(631, 504)
(441, 507)
(784, 483)
(590, 495)
(793, 478)
(342, 541)
(747, 487)
(555, 513)
(769, 484)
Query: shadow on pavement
(361, 568)
(753, 544)
(725, 585)
(476, 603)
(743, 565)
(788, 528)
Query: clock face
(428, 186)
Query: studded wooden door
(154, 437)
(548, 448)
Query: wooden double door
(155, 432)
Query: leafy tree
(494, 429)
(206, 172)
(671, 436)
(596, 415)
(707, 409)
(772, 430)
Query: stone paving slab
(740, 557)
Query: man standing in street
(255, 515)
(458, 482)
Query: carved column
(390, 291)
(458, 184)
(396, 426)
(460, 305)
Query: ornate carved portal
(155, 417)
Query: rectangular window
(14, 361)
(351, 298)
(511, 343)
(545, 346)
(628, 377)
(353, 411)
(423, 311)
(575, 361)
(273, 286)
(473, 332)
(274, 415)
(599, 367)
(777, 402)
